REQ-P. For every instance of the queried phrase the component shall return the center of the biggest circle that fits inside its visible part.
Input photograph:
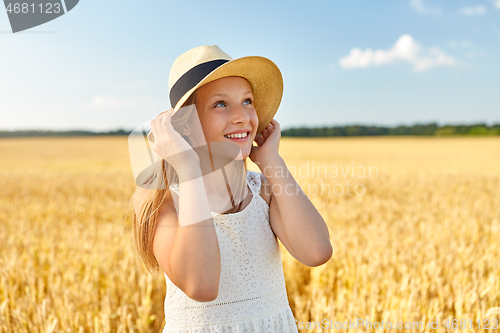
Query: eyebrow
(224, 95)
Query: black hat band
(191, 78)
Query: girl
(223, 271)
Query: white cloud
(405, 49)
(420, 7)
(470, 55)
(436, 58)
(472, 11)
(476, 54)
(460, 44)
(466, 45)
(497, 4)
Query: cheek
(255, 122)
(213, 127)
(206, 125)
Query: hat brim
(265, 79)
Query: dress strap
(174, 187)
(254, 182)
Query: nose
(240, 115)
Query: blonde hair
(144, 226)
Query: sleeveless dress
(252, 293)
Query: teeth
(239, 135)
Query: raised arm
(293, 217)
(186, 246)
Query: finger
(265, 133)
(270, 129)
(259, 140)
(163, 112)
(155, 120)
(276, 127)
(166, 119)
(154, 127)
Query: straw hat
(204, 64)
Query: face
(226, 106)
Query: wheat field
(416, 236)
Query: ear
(186, 131)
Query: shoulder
(141, 194)
(265, 187)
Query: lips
(238, 137)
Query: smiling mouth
(240, 137)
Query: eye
(219, 102)
(250, 101)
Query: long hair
(144, 226)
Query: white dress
(252, 295)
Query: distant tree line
(352, 130)
(417, 129)
(29, 133)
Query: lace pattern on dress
(252, 292)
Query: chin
(245, 153)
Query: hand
(170, 145)
(267, 144)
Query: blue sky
(105, 64)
